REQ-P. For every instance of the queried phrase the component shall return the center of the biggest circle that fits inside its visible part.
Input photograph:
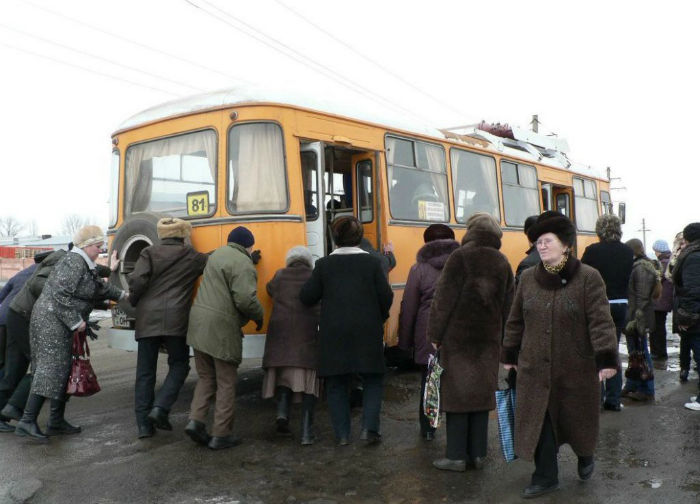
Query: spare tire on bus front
(138, 232)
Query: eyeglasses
(544, 242)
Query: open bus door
(312, 167)
(365, 201)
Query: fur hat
(347, 231)
(608, 228)
(242, 236)
(529, 222)
(482, 221)
(553, 222)
(438, 232)
(172, 227)
(88, 235)
(660, 246)
(299, 253)
(691, 232)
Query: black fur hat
(691, 232)
(553, 222)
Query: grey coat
(66, 300)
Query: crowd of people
(555, 327)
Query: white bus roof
(526, 145)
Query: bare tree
(73, 222)
(10, 227)
(32, 227)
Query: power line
(303, 59)
(372, 61)
(90, 70)
(85, 53)
(133, 42)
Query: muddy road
(646, 453)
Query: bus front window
(160, 173)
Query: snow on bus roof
(340, 106)
(336, 105)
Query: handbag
(505, 408)
(637, 365)
(431, 396)
(82, 381)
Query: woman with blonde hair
(63, 307)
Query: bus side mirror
(621, 211)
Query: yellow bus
(286, 166)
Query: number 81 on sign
(198, 203)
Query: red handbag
(82, 381)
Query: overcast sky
(616, 79)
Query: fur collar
(436, 252)
(551, 281)
(478, 238)
(678, 267)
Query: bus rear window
(257, 180)
(585, 204)
(417, 180)
(160, 173)
(475, 184)
(521, 198)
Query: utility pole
(644, 233)
(535, 123)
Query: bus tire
(138, 232)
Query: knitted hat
(88, 235)
(482, 221)
(691, 232)
(438, 232)
(347, 231)
(299, 253)
(242, 236)
(172, 227)
(553, 222)
(608, 227)
(660, 246)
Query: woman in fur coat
(415, 304)
(470, 306)
(560, 337)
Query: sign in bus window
(198, 204)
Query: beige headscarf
(88, 235)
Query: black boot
(57, 424)
(284, 398)
(28, 426)
(307, 419)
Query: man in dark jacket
(613, 260)
(160, 287)
(686, 284)
(533, 256)
(12, 287)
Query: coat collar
(551, 281)
(81, 253)
(477, 238)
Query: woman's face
(93, 250)
(551, 249)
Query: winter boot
(28, 426)
(57, 424)
(284, 399)
(307, 419)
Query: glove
(258, 325)
(255, 256)
(89, 332)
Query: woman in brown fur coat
(560, 337)
(470, 306)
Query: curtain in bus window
(436, 164)
(140, 161)
(256, 168)
(475, 184)
(586, 204)
(521, 200)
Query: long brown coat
(292, 334)
(560, 334)
(470, 306)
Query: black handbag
(637, 365)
